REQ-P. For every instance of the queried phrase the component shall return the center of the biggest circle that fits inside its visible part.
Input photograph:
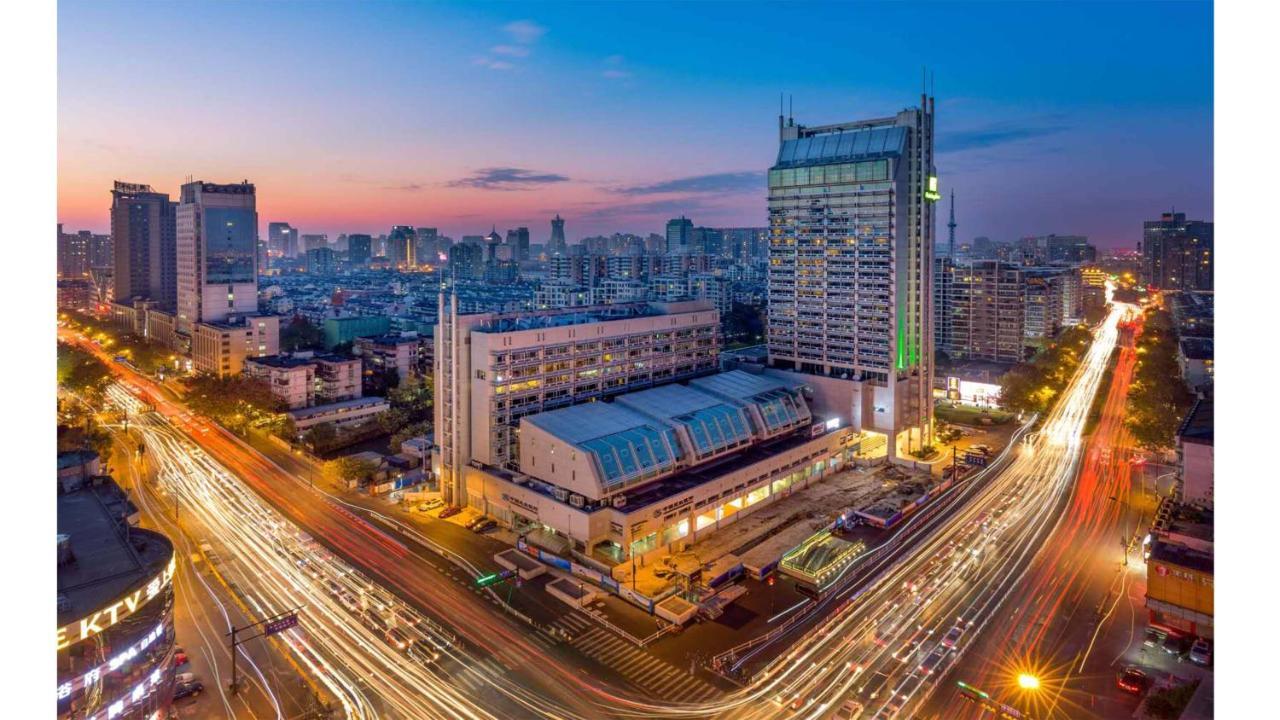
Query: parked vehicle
(1133, 680)
(450, 511)
(475, 522)
(180, 658)
(189, 689)
(1201, 653)
(486, 526)
(1176, 645)
(1154, 637)
(184, 677)
(430, 505)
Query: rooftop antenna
(951, 228)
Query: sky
(1052, 117)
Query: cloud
(524, 31)
(730, 182)
(507, 178)
(407, 187)
(994, 135)
(512, 50)
(493, 64)
(616, 74)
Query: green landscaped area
(969, 415)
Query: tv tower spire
(951, 228)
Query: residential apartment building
(984, 310)
(1177, 254)
(399, 353)
(493, 369)
(851, 215)
(304, 380)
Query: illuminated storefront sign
(66, 689)
(94, 624)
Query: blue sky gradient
(1066, 117)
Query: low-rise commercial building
(115, 642)
(340, 414)
(342, 330)
(1180, 587)
(1195, 354)
(220, 348)
(655, 470)
(1195, 456)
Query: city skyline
(621, 136)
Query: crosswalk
(642, 669)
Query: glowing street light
(1027, 681)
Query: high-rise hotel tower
(851, 243)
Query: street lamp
(1027, 681)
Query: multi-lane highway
(886, 650)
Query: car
(1133, 680)
(486, 526)
(184, 677)
(953, 636)
(399, 639)
(874, 685)
(935, 659)
(848, 711)
(475, 522)
(1201, 653)
(180, 658)
(1154, 637)
(188, 689)
(449, 511)
(1176, 645)
(429, 506)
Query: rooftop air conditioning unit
(577, 501)
(561, 494)
(520, 479)
(619, 501)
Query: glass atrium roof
(834, 147)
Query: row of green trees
(1034, 386)
(1158, 398)
(146, 355)
(85, 379)
(237, 402)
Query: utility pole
(272, 625)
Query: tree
(320, 436)
(343, 470)
(301, 334)
(82, 373)
(408, 432)
(1158, 398)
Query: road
(885, 647)
(1080, 607)
(205, 609)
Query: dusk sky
(1061, 118)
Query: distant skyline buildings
(1082, 143)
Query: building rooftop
(1197, 348)
(109, 557)
(624, 443)
(1197, 427)
(1182, 556)
(280, 361)
(304, 413)
(712, 424)
(843, 146)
